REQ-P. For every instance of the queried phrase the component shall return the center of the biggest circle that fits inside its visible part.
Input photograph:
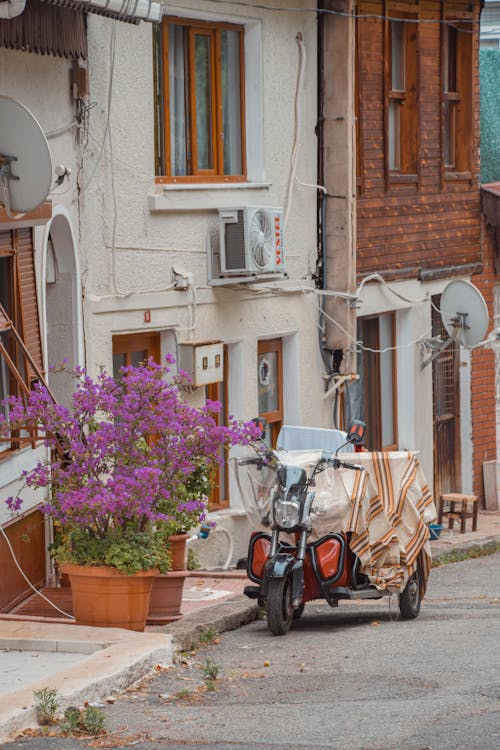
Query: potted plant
(182, 513)
(118, 458)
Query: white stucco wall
(42, 84)
(144, 230)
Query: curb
(223, 616)
(487, 545)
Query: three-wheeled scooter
(289, 565)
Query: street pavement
(356, 677)
(109, 661)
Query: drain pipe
(11, 8)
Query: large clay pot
(178, 549)
(105, 598)
(166, 598)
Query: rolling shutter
(26, 283)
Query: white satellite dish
(25, 163)
(464, 313)
(465, 317)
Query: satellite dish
(25, 163)
(465, 317)
(464, 313)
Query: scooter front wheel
(279, 605)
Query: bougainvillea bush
(125, 457)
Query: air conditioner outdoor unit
(251, 240)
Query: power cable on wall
(297, 126)
(360, 346)
(32, 587)
(346, 14)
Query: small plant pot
(166, 598)
(178, 549)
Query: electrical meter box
(203, 361)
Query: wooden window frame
(457, 96)
(405, 100)
(274, 418)
(220, 392)
(162, 136)
(148, 341)
(372, 384)
(20, 344)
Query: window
(402, 112)
(457, 96)
(377, 383)
(20, 347)
(270, 386)
(133, 349)
(200, 84)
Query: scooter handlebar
(337, 463)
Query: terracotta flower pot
(166, 598)
(178, 548)
(105, 598)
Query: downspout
(11, 8)
(321, 278)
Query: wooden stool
(458, 508)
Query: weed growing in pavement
(71, 720)
(208, 635)
(210, 670)
(90, 720)
(47, 702)
(183, 694)
(460, 555)
(93, 719)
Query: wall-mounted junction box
(203, 361)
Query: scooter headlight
(287, 512)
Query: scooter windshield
(288, 501)
(256, 482)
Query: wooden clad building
(418, 139)
(417, 208)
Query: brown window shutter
(30, 325)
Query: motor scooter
(286, 567)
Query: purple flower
(128, 452)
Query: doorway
(446, 410)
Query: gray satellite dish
(464, 313)
(465, 317)
(25, 163)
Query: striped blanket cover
(391, 507)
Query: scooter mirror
(261, 423)
(356, 432)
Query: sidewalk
(90, 664)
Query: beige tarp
(386, 509)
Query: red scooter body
(328, 563)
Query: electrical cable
(345, 14)
(112, 49)
(298, 127)
(39, 593)
(380, 279)
(360, 346)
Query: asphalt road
(355, 678)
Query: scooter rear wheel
(279, 605)
(410, 599)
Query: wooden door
(446, 411)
